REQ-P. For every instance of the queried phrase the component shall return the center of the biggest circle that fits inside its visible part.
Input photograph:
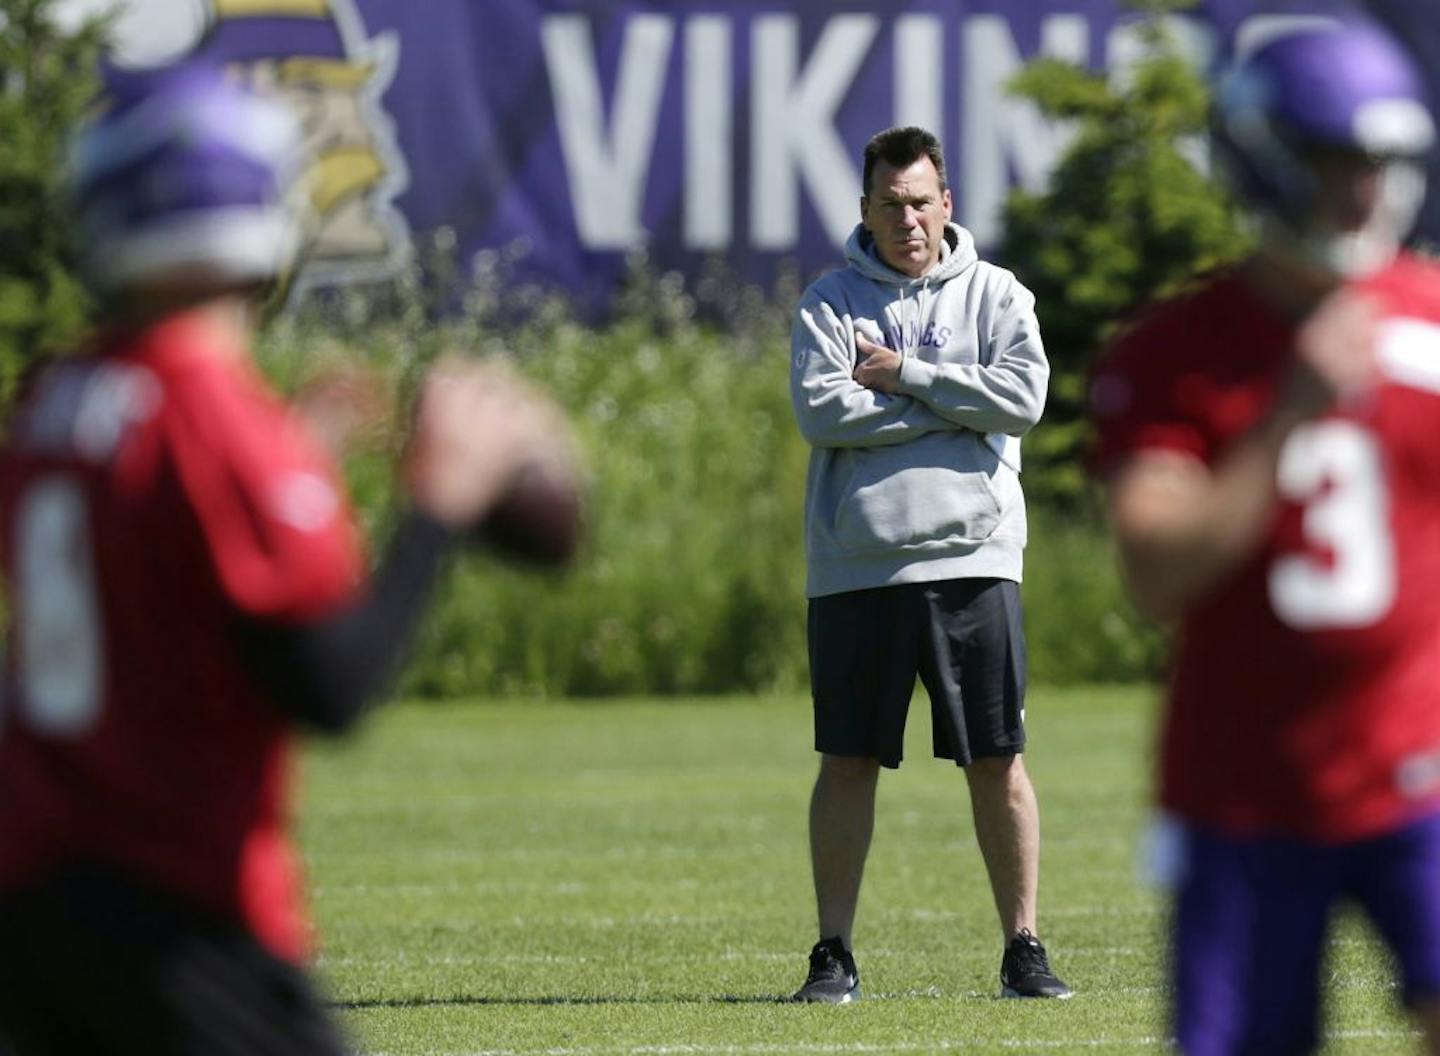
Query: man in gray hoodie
(914, 372)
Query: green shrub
(692, 572)
(1127, 216)
(1079, 625)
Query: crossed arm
(888, 398)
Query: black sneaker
(833, 977)
(1025, 970)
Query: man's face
(906, 212)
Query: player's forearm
(833, 409)
(1004, 391)
(1181, 528)
(325, 674)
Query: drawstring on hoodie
(919, 314)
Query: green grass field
(632, 877)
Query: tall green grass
(691, 577)
(1079, 625)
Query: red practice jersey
(1305, 696)
(152, 495)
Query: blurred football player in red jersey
(1270, 444)
(186, 587)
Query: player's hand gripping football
(490, 455)
(1334, 354)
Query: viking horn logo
(316, 56)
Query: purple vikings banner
(1418, 25)
(559, 136)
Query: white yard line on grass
(768, 1048)
(1150, 1042)
(402, 957)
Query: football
(538, 521)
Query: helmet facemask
(1323, 133)
(1353, 246)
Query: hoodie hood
(957, 252)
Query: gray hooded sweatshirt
(924, 484)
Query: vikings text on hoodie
(924, 484)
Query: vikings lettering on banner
(318, 57)
(796, 98)
(728, 131)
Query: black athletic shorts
(965, 640)
(94, 964)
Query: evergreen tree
(1127, 216)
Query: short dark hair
(900, 147)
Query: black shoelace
(1030, 957)
(824, 963)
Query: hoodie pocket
(938, 490)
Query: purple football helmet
(187, 175)
(1346, 87)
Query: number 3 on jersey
(1334, 470)
(57, 629)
